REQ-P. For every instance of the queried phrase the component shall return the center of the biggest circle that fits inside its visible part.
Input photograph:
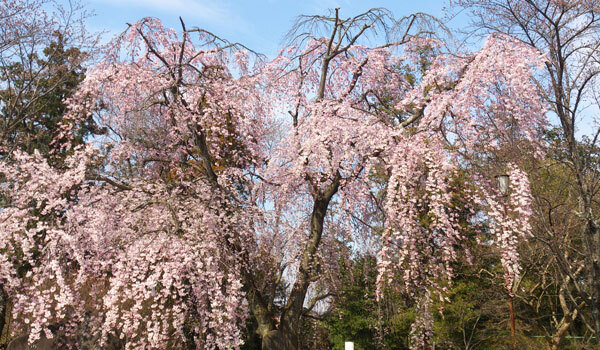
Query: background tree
(33, 109)
(43, 48)
(568, 32)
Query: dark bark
(3, 309)
(285, 335)
(283, 338)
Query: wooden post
(512, 321)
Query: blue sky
(259, 24)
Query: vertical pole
(512, 321)
(503, 182)
(349, 345)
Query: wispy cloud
(218, 13)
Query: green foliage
(475, 318)
(31, 100)
(477, 315)
(357, 315)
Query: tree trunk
(285, 335)
(283, 338)
(3, 309)
(595, 277)
(591, 233)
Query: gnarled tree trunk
(285, 335)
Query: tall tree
(458, 110)
(568, 33)
(41, 62)
(32, 107)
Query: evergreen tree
(32, 100)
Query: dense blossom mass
(214, 159)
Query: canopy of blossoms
(152, 233)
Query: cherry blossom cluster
(141, 237)
(509, 219)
